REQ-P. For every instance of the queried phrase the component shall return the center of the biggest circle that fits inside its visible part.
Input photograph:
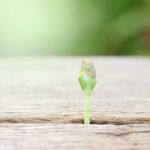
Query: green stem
(87, 109)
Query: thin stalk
(87, 109)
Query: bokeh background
(74, 27)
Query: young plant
(87, 79)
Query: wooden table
(41, 104)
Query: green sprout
(87, 79)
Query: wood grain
(41, 102)
(76, 137)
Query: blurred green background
(74, 27)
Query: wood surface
(41, 104)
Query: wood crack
(121, 134)
(74, 120)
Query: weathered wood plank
(40, 97)
(47, 89)
(75, 137)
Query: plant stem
(87, 109)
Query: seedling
(87, 79)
